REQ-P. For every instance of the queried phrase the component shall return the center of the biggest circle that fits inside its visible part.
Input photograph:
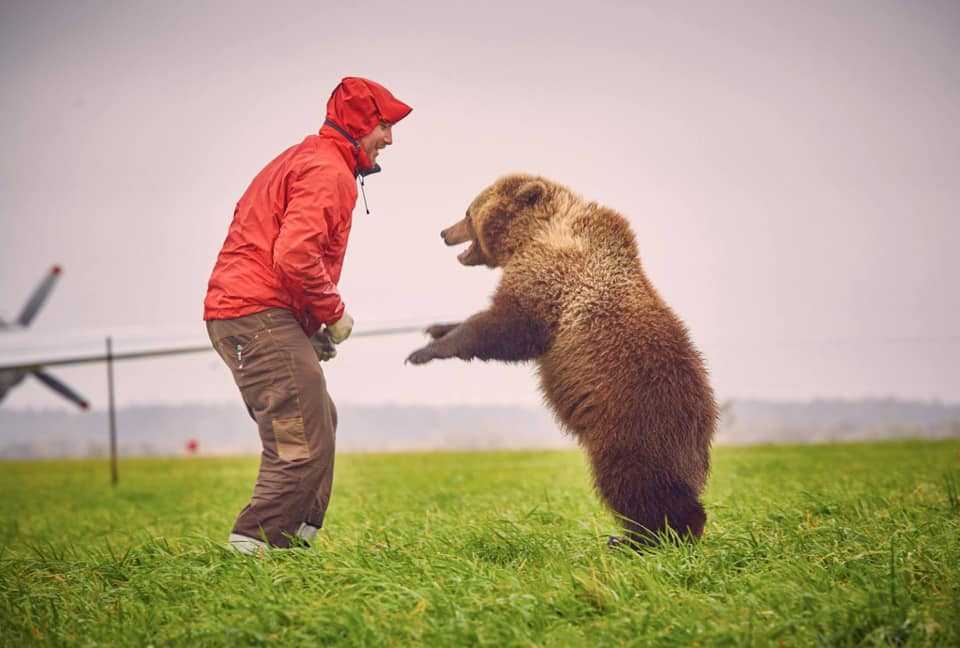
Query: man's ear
(531, 192)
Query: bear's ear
(531, 192)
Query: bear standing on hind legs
(615, 363)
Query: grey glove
(323, 345)
(340, 330)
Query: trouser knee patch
(291, 440)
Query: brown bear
(615, 363)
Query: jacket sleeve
(313, 200)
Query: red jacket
(286, 244)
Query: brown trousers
(282, 385)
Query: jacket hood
(355, 107)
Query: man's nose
(388, 136)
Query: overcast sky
(790, 170)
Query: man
(273, 310)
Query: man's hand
(323, 346)
(340, 330)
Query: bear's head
(502, 218)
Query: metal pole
(113, 414)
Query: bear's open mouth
(463, 232)
(472, 255)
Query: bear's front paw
(421, 356)
(437, 331)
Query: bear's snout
(457, 234)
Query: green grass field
(818, 545)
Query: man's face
(376, 139)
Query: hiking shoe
(246, 545)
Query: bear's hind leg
(676, 506)
(648, 506)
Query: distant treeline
(226, 428)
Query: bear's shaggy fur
(615, 363)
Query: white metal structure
(12, 376)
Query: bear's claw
(419, 357)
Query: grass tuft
(953, 491)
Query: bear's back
(619, 357)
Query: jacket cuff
(325, 315)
